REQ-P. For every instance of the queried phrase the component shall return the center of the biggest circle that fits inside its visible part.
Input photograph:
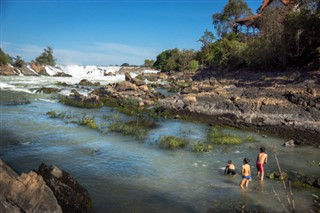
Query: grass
(172, 142)
(89, 122)
(138, 127)
(216, 136)
(201, 147)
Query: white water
(126, 175)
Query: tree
(224, 22)
(4, 58)
(18, 62)
(46, 58)
(148, 63)
(125, 65)
(184, 59)
(205, 54)
(167, 60)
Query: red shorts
(260, 167)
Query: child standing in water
(262, 159)
(246, 173)
(230, 168)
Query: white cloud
(95, 54)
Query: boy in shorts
(246, 173)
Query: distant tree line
(45, 58)
(289, 38)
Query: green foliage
(302, 37)
(228, 52)
(193, 65)
(18, 62)
(89, 122)
(224, 21)
(172, 142)
(125, 65)
(148, 63)
(205, 55)
(138, 127)
(201, 147)
(46, 58)
(4, 58)
(167, 60)
(216, 136)
(175, 60)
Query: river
(123, 174)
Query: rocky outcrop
(48, 190)
(25, 193)
(290, 108)
(71, 196)
(132, 88)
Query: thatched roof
(248, 21)
(267, 2)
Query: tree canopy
(224, 22)
(46, 58)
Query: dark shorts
(231, 172)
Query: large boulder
(25, 193)
(71, 196)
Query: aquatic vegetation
(89, 122)
(138, 127)
(216, 136)
(201, 147)
(250, 138)
(61, 115)
(172, 142)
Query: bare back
(246, 170)
(262, 158)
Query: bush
(193, 65)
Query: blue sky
(105, 32)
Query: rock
(85, 82)
(71, 196)
(128, 77)
(8, 70)
(25, 193)
(289, 143)
(125, 86)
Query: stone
(25, 193)
(71, 196)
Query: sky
(105, 32)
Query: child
(230, 168)
(246, 173)
(262, 159)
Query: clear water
(126, 175)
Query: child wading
(246, 173)
(262, 159)
(230, 168)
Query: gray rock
(25, 193)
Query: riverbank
(285, 104)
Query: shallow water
(123, 174)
